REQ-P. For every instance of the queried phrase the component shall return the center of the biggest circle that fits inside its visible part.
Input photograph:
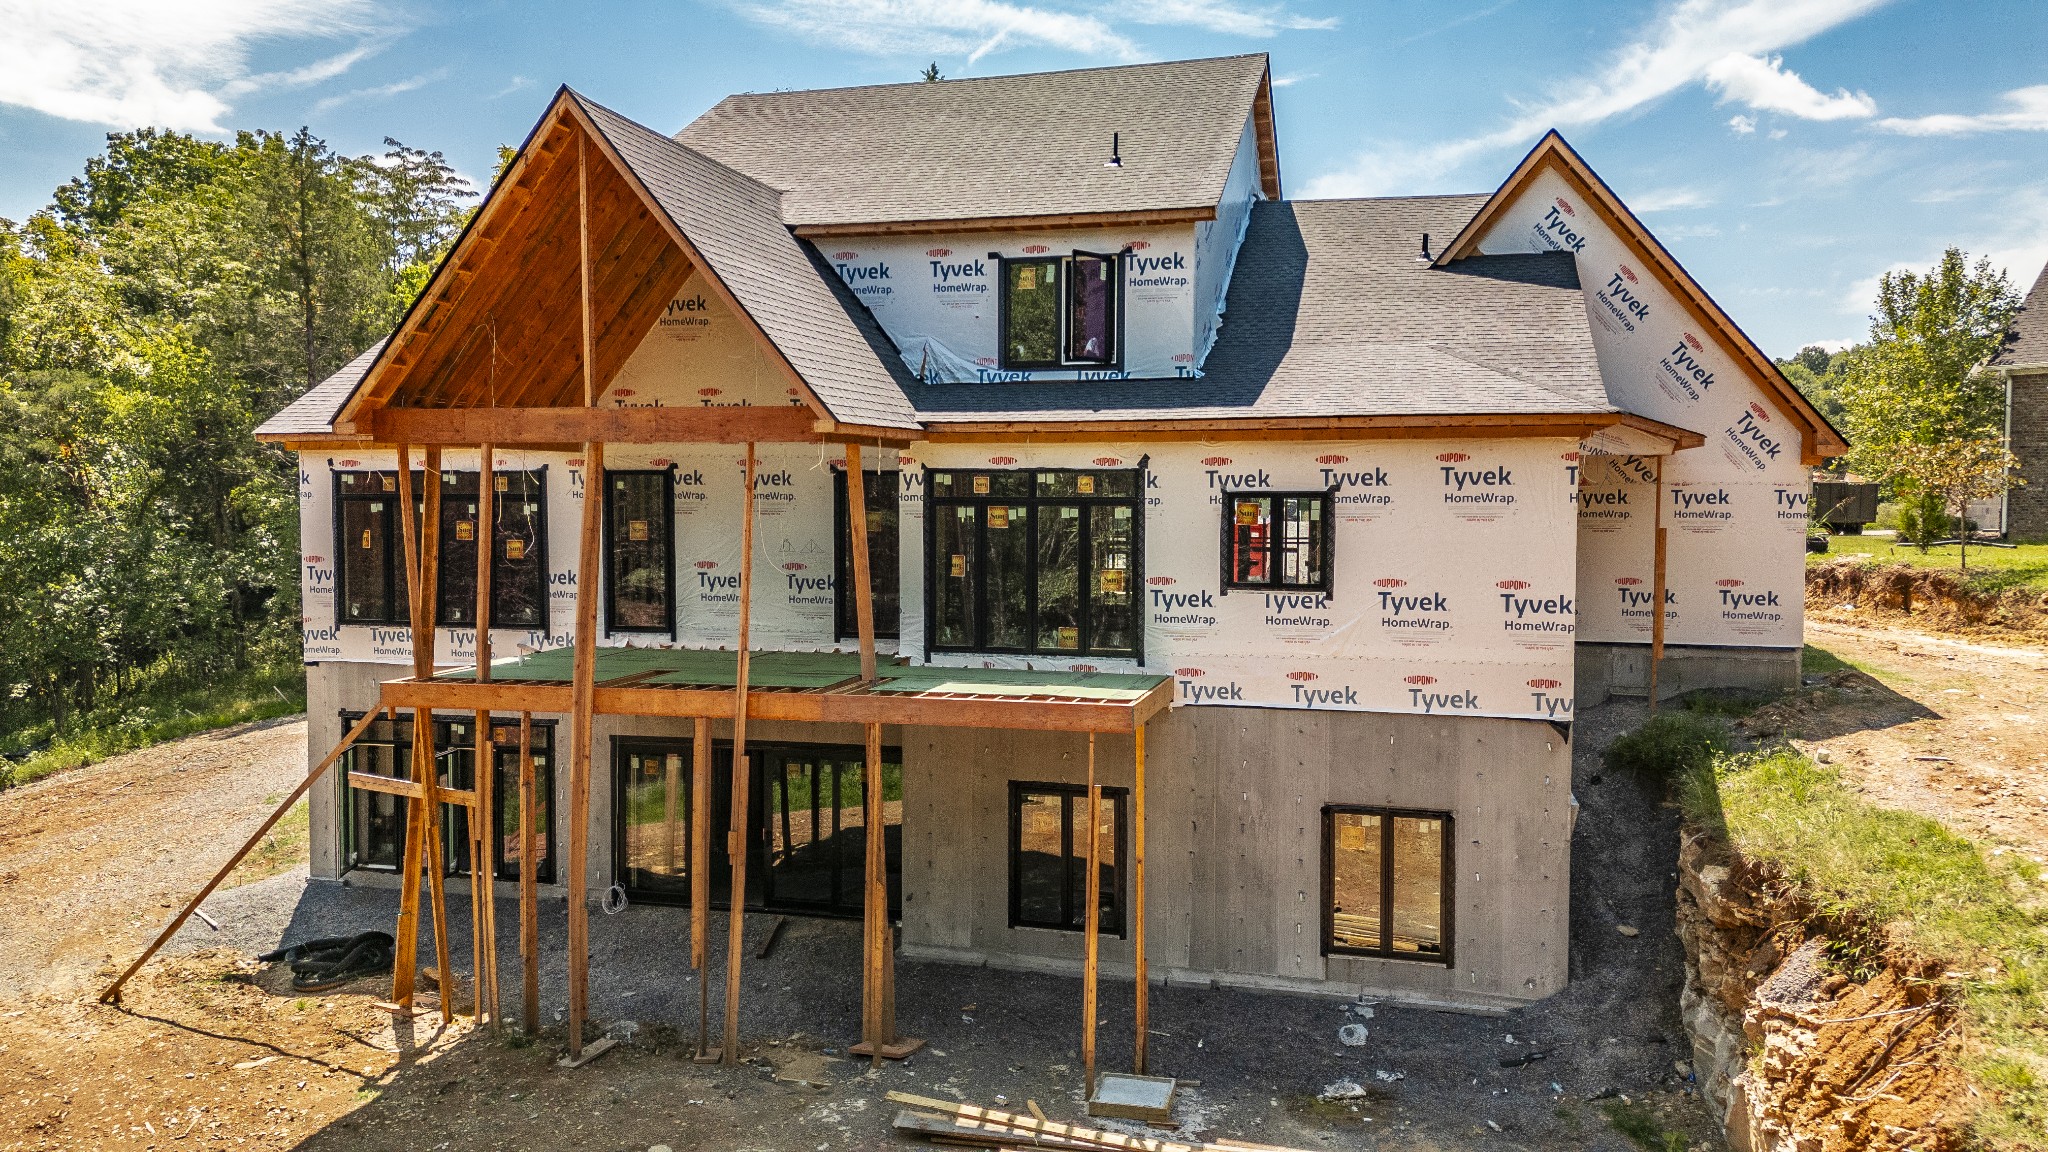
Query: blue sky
(1787, 151)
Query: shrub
(1670, 745)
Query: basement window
(518, 557)
(885, 573)
(1061, 311)
(1040, 562)
(640, 552)
(1387, 884)
(1277, 540)
(374, 823)
(1049, 857)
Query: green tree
(1817, 373)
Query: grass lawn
(149, 718)
(1990, 570)
(1885, 867)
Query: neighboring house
(2022, 363)
(1367, 490)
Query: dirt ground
(211, 1049)
(1952, 728)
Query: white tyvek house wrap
(1736, 507)
(936, 297)
(1454, 575)
(699, 354)
(1217, 242)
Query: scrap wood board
(1024, 1132)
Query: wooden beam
(486, 552)
(727, 424)
(112, 993)
(1657, 584)
(483, 872)
(1092, 938)
(736, 841)
(875, 903)
(1143, 218)
(410, 789)
(1477, 426)
(406, 951)
(584, 667)
(529, 886)
(1143, 1017)
(700, 876)
(1268, 140)
(423, 728)
(863, 587)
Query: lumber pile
(971, 1126)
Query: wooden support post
(486, 552)
(423, 726)
(1144, 1007)
(112, 994)
(484, 821)
(1092, 893)
(863, 587)
(700, 877)
(1657, 586)
(406, 962)
(584, 695)
(875, 904)
(736, 839)
(529, 886)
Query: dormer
(1074, 225)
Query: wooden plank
(112, 993)
(423, 725)
(875, 903)
(406, 948)
(736, 843)
(1093, 1137)
(529, 886)
(732, 424)
(700, 875)
(863, 586)
(1092, 941)
(1306, 428)
(399, 786)
(483, 869)
(1143, 1018)
(1143, 217)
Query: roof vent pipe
(1116, 158)
(1425, 257)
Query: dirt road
(1951, 728)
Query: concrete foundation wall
(1234, 859)
(2027, 506)
(1607, 670)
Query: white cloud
(2026, 111)
(1674, 51)
(2013, 236)
(1669, 200)
(975, 28)
(1290, 80)
(1763, 83)
(1743, 125)
(171, 64)
(382, 90)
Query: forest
(168, 299)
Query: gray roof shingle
(1030, 145)
(736, 225)
(2026, 341)
(314, 412)
(1329, 313)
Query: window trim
(1325, 585)
(612, 627)
(1086, 650)
(1062, 263)
(842, 563)
(1447, 892)
(1119, 798)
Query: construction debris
(947, 1122)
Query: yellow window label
(366, 539)
(390, 483)
(1070, 637)
(465, 530)
(1085, 485)
(501, 483)
(1248, 512)
(1113, 582)
(1027, 276)
(515, 549)
(981, 485)
(636, 531)
(999, 517)
(1351, 837)
(959, 564)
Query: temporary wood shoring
(112, 993)
(529, 885)
(700, 875)
(1657, 582)
(1144, 1006)
(1092, 941)
(585, 666)
(736, 839)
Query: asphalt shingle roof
(1029, 145)
(1329, 313)
(2026, 342)
(314, 412)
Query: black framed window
(374, 825)
(885, 574)
(1061, 311)
(640, 552)
(1049, 857)
(1035, 562)
(370, 549)
(1387, 877)
(1278, 540)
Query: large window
(640, 554)
(1387, 883)
(374, 824)
(1280, 540)
(1034, 562)
(1049, 857)
(1061, 311)
(885, 574)
(370, 549)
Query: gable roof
(312, 414)
(734, 224)
(2026, 341)
(998, 147)
(1330, 313)
(1819, 438)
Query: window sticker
(515, 549)
(636, 531)
(959, 564)
(501, 483)
(1247, 512)
(465, 530)
(391, 483)
(366, 540)
(1085, 485)
(981, 485)
(1113, 581)
(999, 517)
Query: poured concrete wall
(1234, 859)
(1608, 670)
